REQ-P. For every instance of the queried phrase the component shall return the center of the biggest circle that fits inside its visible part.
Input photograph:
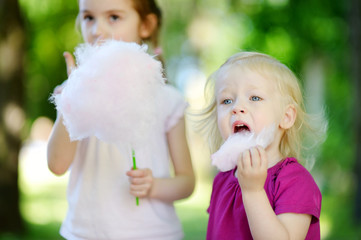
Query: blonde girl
(268, 195)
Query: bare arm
(61, 150)
(263, 222)
(168, 189)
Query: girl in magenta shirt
(268, 195)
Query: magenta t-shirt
(290, 189)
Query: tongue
(241, 129)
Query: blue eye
(255, 98)
(227, 101)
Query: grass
(43, 206)
(43, 211)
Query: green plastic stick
(135, 167)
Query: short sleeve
(174, 106)
(296, 192)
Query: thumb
(70, 62)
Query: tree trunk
(11, 112)
(355, 29)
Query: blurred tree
(50, 26)
(12, 119)
(355, 26)
(205, 33)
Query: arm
(61, 150)
(263, 222)
(168, 189)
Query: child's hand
(252, 169)
(70, 65)
(141, 181)
(70, 62)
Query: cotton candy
(112, 94)
(227, 156)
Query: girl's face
(247, 102)
(111, 19)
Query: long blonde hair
(288, 86)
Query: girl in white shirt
(102, 185)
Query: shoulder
(173, 104)
(294, 188)
(291, 170)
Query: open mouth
(241, 128)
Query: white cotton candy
(227, 156)
(112, 93)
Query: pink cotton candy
(112, 94)
(227, 156)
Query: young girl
(268, 195)
(102, 186)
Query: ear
(289, 117)
(148, 26)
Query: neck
(273, 158)
(273, 153)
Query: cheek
(118, 37)
(86, 33)
(83, 31)
(223, 124)
(266, 118)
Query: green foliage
(50, 27)
(209, 31)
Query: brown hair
(144, 8)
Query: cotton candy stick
(135, 167)
(114, 94)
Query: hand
(70, 65)
(141, 181)
(70, 62)
(252, 169)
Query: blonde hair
(287, 85)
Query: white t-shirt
(100, 205)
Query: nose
(98, 29)
(237, 109)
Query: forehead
(105, 5)
(236, 77)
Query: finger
(137, 181)
(58, 89)
(246, 160)
(139, 188)
(70, 62)
(137, 173)
(138, 193)
(255, 158)
(263, 157)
